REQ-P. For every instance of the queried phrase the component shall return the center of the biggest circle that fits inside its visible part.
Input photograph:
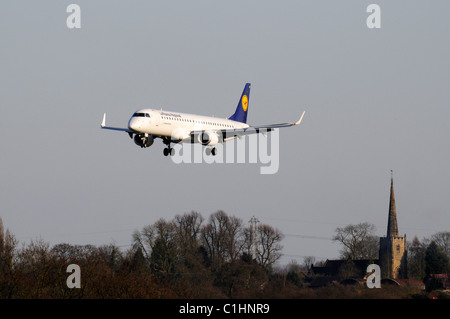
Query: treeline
(429, 256)
(190, 257)
(187, 257)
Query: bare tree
(35, 264)
(144, 240)
(308, 261)
(8, 245)
(188, 229)
(223, 238)
(442, 239)
(158, 243)
(358, 240)
(269, 248)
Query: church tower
(392, 254)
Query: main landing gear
(168, 150)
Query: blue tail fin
(240, 115)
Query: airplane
(174, 127)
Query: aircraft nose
(133, 124)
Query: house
(437, 281)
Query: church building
(391, 256)
(392, 253)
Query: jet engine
(208, 138)
(143, 141)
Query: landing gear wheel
(169, 151)
(214, 151)
(208, 151)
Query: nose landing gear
(211, 151)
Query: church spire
(392, 229)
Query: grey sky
(376, 100)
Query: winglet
(301, 118)
(104, 121)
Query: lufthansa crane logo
(244, 102)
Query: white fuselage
(177, 125)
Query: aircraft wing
(229, 134)
(272, 126)
(103, 125)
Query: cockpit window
(141, 114)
